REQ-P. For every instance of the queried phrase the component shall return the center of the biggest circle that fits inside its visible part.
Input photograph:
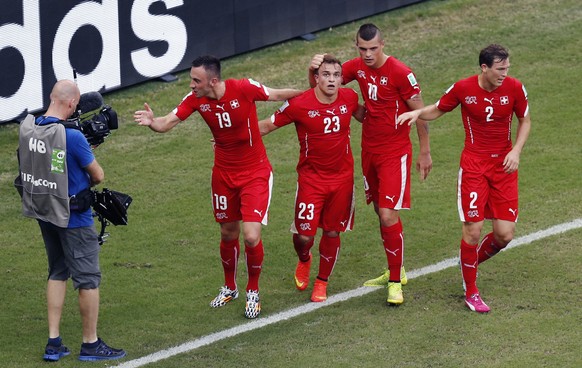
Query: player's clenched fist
(316, 61)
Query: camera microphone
(89, 102)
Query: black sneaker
(101, 352)
(54, 353)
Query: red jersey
(385, 91)
(486, 115)
(323, 131)
(233, 122)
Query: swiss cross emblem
(504, 100)
(383, 81)
(361, 74)
(234, 104)
(343, 109)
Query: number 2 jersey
(233, 122)
(486, 115)
(385, 91)
(323, 131)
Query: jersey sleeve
(348, 71)
(254, 90)
(283, 116)
(188, 105)
(407, 83)
(521, 107)
(353, 98)
(448, 100)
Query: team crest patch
(313, 113)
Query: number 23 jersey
(323, 131)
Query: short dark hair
(328, 59)
(492, 53)
(211, 65)
(367, 32)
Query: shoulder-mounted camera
(93, 118)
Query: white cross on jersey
(343, 109)
(234, 104)
(504, 100)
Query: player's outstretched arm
(161, 124)
(430, 112)
(266, 126)
(282, 94)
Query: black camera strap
(71, 123)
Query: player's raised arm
(161, 124)
(313, 66)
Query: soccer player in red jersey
(242, 175)
(487, 184)
(325, 184)
(389, 88)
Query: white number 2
(473, 196)
(489, 111)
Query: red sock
(329, 248)
(302, 249)
(254, 256)
(488, 248)
(469, 262)
(393, 240)
(229, 251)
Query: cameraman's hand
(144, 117)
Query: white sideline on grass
(285, 315)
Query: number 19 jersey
(233, 122)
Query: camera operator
(57, 169)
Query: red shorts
(485, 191)
(330, 206)
(387, 180)
(242, 195)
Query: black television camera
(93, 118)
